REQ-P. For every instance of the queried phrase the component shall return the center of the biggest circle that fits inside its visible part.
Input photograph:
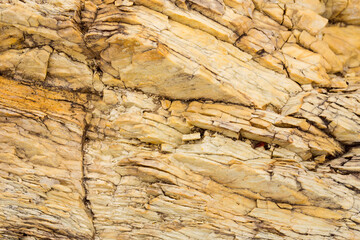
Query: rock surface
(179, 119)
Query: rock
(335, 112)
(29, 63)
(190, 137)
(175, 119)
(67, 73)
(41, 161)
(343, 11)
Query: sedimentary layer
(179, 119)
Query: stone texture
(179, 119)
(41, 164)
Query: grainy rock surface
(179, 119)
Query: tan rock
(338, 110)
(29, 64)
(219, 84)
(110, 97)
(310, 21)
(41, 166)
(190, 137)
(343, 11)
(174, 119)
(344, 42)
(65, 72)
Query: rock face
(179, 119)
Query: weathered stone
(41, 164)
(179, 119)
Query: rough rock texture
(179, 119)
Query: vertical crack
(83, 180)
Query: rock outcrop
(179, 119)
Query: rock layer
(179, 119)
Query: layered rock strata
(179, 119)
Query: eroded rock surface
(179, 119)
